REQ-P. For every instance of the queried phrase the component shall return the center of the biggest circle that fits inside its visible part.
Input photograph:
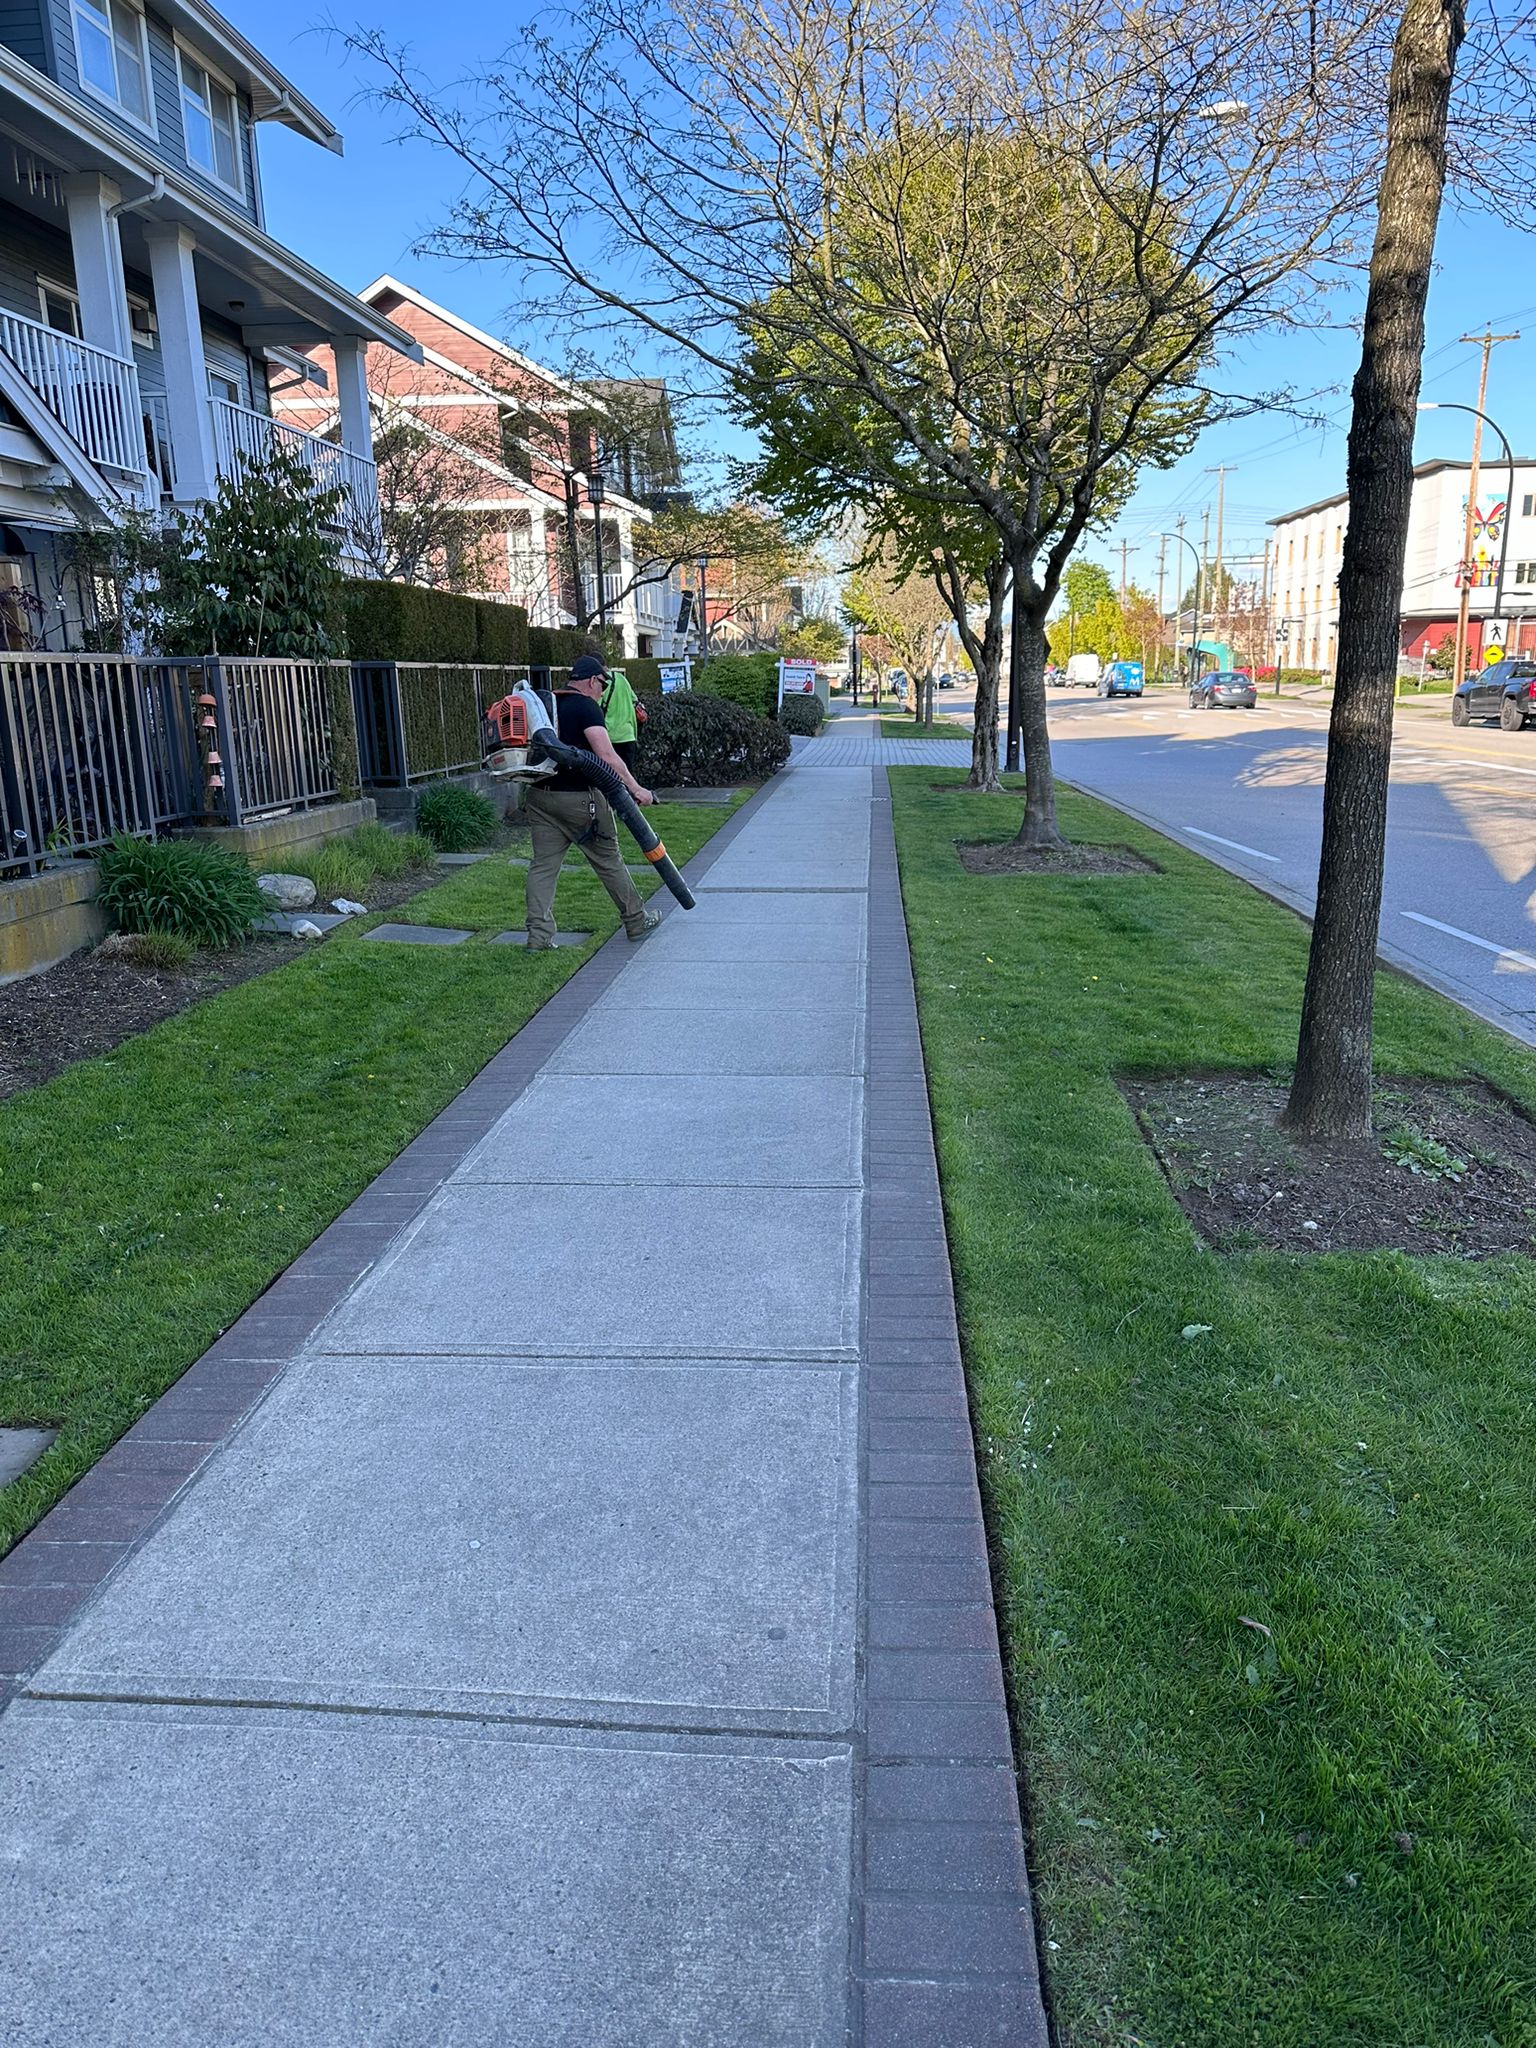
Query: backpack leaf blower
(521, 741)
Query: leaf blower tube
(546, 749)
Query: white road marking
(1454, 931)
(1236, 845)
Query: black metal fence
(94, 745)
(418, 721)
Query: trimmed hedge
(803, 715)
(750, 680)
(558, 646)
(404, 622)
(693, 740)
(643, 673)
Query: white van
(1084, 669)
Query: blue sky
(359, 215)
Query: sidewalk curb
(945, 1953)
(63, 1562)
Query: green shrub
(336, 869)
(750, 680)
(402, 622)
(804, 715)
(694, 740)
(392, 854)
(501, 633)
(455, 820)
(166, 950)
(189, 887)
(643, 673)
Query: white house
(145, 313)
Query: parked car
(1123, 679)
(1084, 669)
(946, 681)
(1506, 691)
(1230, 686)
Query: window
(515, 452)
(61, 308)
(220, 386)
(113, 47)
(210, 122)
(141, 321)
(1525, 572)
(1527, 505)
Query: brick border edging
(52, 1571)
(944, 1950)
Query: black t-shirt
(575, 716)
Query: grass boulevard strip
(1267, 1590)
(154, 1192)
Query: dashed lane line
(1454, 931)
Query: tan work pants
(559, 818)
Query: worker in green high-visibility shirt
(623, 720)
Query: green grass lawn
(1321, 1832)
(150, 1195)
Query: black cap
(586, 666)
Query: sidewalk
(575, 1631)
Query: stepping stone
(419, 934)
(20, 1448)
(461, 860)
(521, 938)
(285, 920)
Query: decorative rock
(345, 907)
(307, 930)
(288, 892)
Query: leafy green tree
(1086, 586)
(814, 640)
(258, 569)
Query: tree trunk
(1331, 1095)
(1039, 827)
(989, 675)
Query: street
(1245, 789)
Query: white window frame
(186, 55)
(148, 336)
(52, 288)
(145, 123)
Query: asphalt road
(1245, 789)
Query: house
(146, 316)
(1309, 545)
(524, 457)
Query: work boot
(646, 926)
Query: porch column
(186, 366)
(98, 254)
(351, 356)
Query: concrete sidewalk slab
(708, 1272)
(604, 1540)
(642, 1130)
(665, 981)
(249, 1878)
(738, 938)
(726, 1038)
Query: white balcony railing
(242, 435)
(612, 584)
(656, 606)
(92, 393)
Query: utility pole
(1203, 586)
(1162, 556)
(1487, 343)
(1219, 471)
(1124, 551)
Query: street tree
(906, 611)
(1330, 1096)
(814, 640)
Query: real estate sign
(675, 675)
(797, 679)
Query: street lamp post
(1194, 628)
(1451, 405)
(703, 565)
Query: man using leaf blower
(564, 811)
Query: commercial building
(1309, 545)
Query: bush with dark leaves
(691, 740)
(803, 715)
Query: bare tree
(907, 612)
